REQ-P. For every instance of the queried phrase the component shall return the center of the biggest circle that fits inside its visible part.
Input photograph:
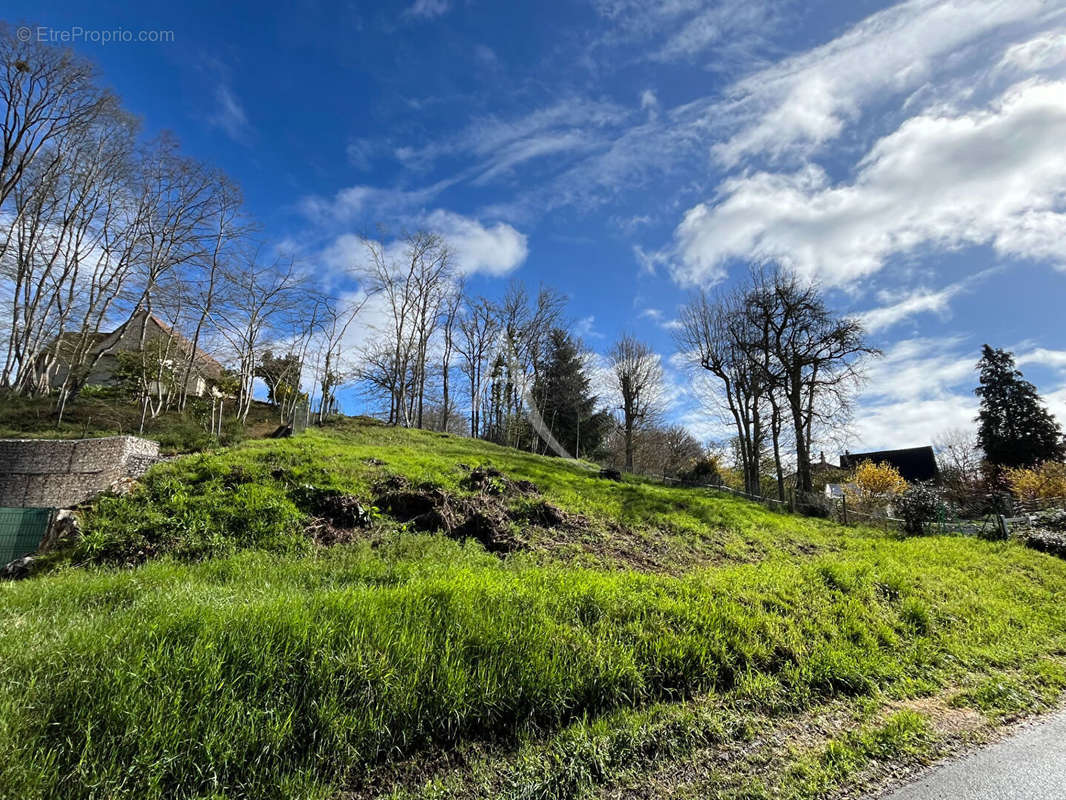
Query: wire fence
(845, 512)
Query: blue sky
(910, 156)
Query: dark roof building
(913, 463)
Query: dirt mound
(484, 516)
(546, 515)
(424, 508)
(335, 516)
(489, 480)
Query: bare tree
(48, 94)
(450, 318)
(819, 356)
(58, 258)
(660, 450)
(337, 318)
(752, 328)
(709, 337)
(479, 327)
(525, 328)
(680, 449)
(413, 289)
(780, 353)
(957, 450)
(638, 377)
(256, 293)
(433, 279)
(224, 228)
(960, 461)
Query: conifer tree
(567, 407)
(1015, 429)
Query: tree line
(437, 356)
(102, 230)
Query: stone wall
(60, 473)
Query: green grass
(248, 663)
(905, 733)
(105, 413)
(202, 505)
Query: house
(821, 465)
(822, 473)
(913, 463)
(108, 346)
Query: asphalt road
(1029, 765)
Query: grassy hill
(365, 611)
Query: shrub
(1044, 482)
(702, 470)
(878, 482)
(918, 504)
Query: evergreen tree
(562, 394)
(1015, 429)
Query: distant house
(913, 463)
(821, 465)
(105, 371)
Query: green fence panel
(21, 531)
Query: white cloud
(585, 328)
(919, 389)
(738, 24)
(1040, 53)
(356, 203)
(229, 114)
(520, 151)
(797, 105)
(918, 301)
(361, 153)
(498, 145)
(575, 152)
(494, 250)
(995, 176)
(649, 103)
(676, 30)
(649, 260)
(486, 55)
(912, 422)
(427, 9)
(920, 368)
(1044, 357)
(659, 318)
(1056, 403)
(923, 387)
(344, 253)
